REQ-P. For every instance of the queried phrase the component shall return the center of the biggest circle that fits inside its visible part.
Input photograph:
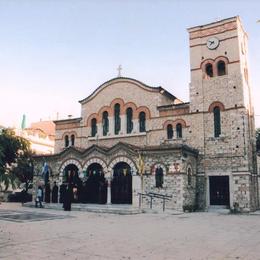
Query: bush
(189, 208)
(19, 197)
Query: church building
(133, 138)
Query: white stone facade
(209, 151)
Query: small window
(217, 122)
(105, 123)
(189, 177)
(159, 177)
(66, 140)
(169, 131)
(179, 130)
(129, 120)
(209, 70)
(117, 118)
(142, 122)
(72, 140)
(221, 68)
(93, 127)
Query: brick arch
(168, 122)
(103, 109)
(69, 133)
(125, 159)
(203, 67)
(94, 115)
(179, 121)
(205, 62)
(158, 164)
(133, 106)
(67, 162)
(120, 101)
(144, 109)
(223, 58)
(216, 104)
(96, 160)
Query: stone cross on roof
(119, 71)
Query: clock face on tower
(213, 43)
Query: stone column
(123, 124)
(111, 126)
(136, 126)
(136, 188)
(109, 191)
(99, 130)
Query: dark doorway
(219, 190)
(95, 188)
(121, 184)
(71, 177)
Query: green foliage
(258, 139)
(15, 155)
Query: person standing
(47, 193)
(68, 198)
(54, 195)
(39, 197)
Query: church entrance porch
(121, 184)
(219, 190)
(95, 187)
(71, 177)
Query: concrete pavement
(51, 234)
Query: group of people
(91, 190)
(47, 196)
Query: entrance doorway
(71, 178)
(95, 187)
(219, 190)
(121, 184)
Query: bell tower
(218, 60)
(220, 100)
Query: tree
(23, 170)
(15, 158)
(258, 139)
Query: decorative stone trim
(96, 160)
(125, 159)
(69, 134)
(174, 123)
(67, 162)
(216, 104)
(94, 115)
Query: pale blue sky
(56, 52)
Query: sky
(54, 53)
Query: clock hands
(211, 42)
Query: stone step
(97, 208)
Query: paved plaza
(28, 233)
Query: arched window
(72, 140)
(209, 70)
(189, 176)
(93, 127)
(105, 123)
(142, 122)
(66, 140)
(159, 177)
(179, 130)
(169, 131)
(117, 118)
(129, 120)
(221, 66)
(217, 123)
